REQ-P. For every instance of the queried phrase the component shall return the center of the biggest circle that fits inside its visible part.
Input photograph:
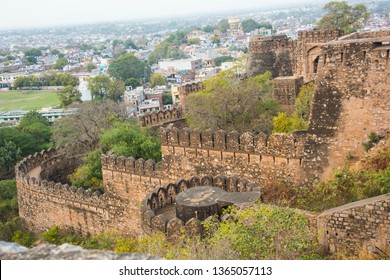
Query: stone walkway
(35, 172)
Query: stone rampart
(352, 99)
(273, 54)
(359, 226)
(44, 204)
(158, 210)
(160, 117)
(260, 158)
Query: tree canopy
(342, 16)
(60, 63)
(128, 66)
(232, 104)
(68, 95)
(250, 25)
(166, 50)
(102, 87)
(87, 123)
(157, 79)
(30, 136)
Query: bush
(346, 187)
(373, 138)
(58, 236)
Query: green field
(27, 99)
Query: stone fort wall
(361, 225)
(260, 158)
(161, 117)
(44, 204)
(351, 99)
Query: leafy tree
(223, 25)
(116, 42)
(91, 66)
(129, 43)
(31, 118)
(132, 82)
(249, 25)
(9, 155)
(68, 95)
(33, 52)
(128, 66)
(221, 59)
(98, 87)
(89, 174)
(180, 37)
(167, 99)
(166, 50)
(36, 125)
(64, 79)
(340, 15)
(23, 140)
(22, 81)
(40, 132)
(31, 60)
(157, 79)
(193, 41)
(215, 39)
(55, 52)
(116, 90)
(303, 102)
(232, 104)
(209, 28)
(128, 139)
(60, 63)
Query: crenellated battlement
(130, 165)
(158, 210)
(319, 36)
(160, 117)
(278, 144)
(42, 202)
(270, 43)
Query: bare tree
(87, 123)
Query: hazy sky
(31, 13)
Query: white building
(180, 65)
(133, 98)
(148, 106)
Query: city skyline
(45, 13)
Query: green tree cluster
(342, 16)
(102, 87)
(166, 50)
(31, 55)
(128, 66)
(30, 136)
(89, 174)
(221, 59)
(250, 25)
(61, 79)
(193, 41)
(68, 95)
(122, 138)
(157, 79)
(60, 63)
(232, 104)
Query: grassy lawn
(27, 99)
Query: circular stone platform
(199, 202)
